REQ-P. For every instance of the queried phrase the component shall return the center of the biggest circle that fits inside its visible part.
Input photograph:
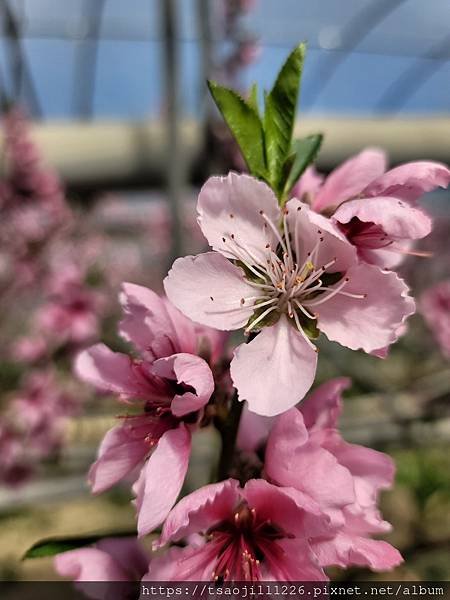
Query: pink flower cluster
(294, 497)
(435, 308)
(314, 505)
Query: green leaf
(245, 125)
(279, 117)
(52, 546)
(253, 98)
(306, 150)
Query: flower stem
(228, 432)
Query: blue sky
(129, 82)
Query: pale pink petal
(209, 289)
(200, 510)
(89, 564)
(308, 185)
(253, 430)
(410, 181)
(385, 258)
(109, 371)
(368, 323)
(345, 550)
(275, 370)
(191, 371)
(230, 206)
(309, 229)
(322, 408)
(350, 179)
(293, 460)
(121, 450)
(162, 479)
(397, 219)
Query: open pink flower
(110, 560)
(435, 308)
(288, 275)
(295, 441)
(259, 532)
(170, 383)
(376, 209)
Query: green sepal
(305, 153)
(309, 326)
(279, 117)
(56, 545)
(245, 124)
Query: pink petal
(162, 479)
(109, 371)
(149, 318)
(288, 508)
(191, 563)
(253, 430)
(396, 218)
(311, 228)
(345, 550)
(208, 288)
(308, 185)
(368, 323)
(275, 370)
(322, 408)
(89, 564)
(200, 510)
(189, 370)
(292, 460)
(298, 563)
(231, 206)
(350, 179)
(121, 450)
(128, 553)
(410, 181)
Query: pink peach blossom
(376, 209)
(170, 383)
(287, 274)
(258, 532)
(290, 461)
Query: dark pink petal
(368, 323)
(200, 510)
(346, 550)
(162, 478)
(275, 370)
(292, 460)
(397, 219)
(350, 179)
(231, 206)
(292, 510)
(410, 181)
(121, 450)
(298, 563)
(151, 320)
(322, 408)
(109, 371)
(209, 289)
(192, 371)
(192, 563)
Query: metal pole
(174, 158)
